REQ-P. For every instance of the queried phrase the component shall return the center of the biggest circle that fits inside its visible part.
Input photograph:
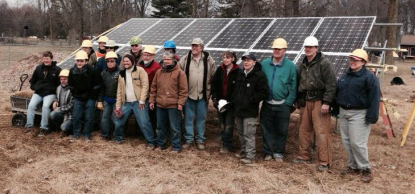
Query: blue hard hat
(169, 44)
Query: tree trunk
(194, 8)
(206, 11)
(296, 8)
(391, 31)
(288, 8)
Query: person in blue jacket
(281, 75)
(101, 64)
(357, 96)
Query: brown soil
(51, 164)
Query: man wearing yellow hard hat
(110, 46)
(61, 116)
(102, 41)
(150, 66)
(87, 47)
(84, 83)
(358, 96)
(108, 93)
(281, 75)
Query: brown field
(51, 164)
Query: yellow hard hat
(86, 43)
(64, 73)
(359, 54)
(149, 49)
(81, 55)
(103, 39)
(279, 43)
(111, 55)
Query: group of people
(158, 92)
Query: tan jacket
(140, 79)
(169, 88)
(196, 76)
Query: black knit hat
(131, 57)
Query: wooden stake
(408, 125)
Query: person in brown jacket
(169, 93)
(132, 92)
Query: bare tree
(391, 31)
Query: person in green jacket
(281, 75)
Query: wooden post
(408, 125)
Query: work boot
(350, 171)
(224, 151)
(268, 157)
(201, 146)
(301, 161)
(247, 161)
(43, 132)
(241, 154)
(366, 175)
(187, 145)
(323, 168)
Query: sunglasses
(135, 45)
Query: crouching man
(61, 116)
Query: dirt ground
(51, 164)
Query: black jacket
(45, 79)
(109, 84)
(359, 90)
(84, 83)
(217, 83)
(249, 92)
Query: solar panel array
(337, 36)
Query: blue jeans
(34, 101)
(106, 119)
(56, 120)
(227, 123)
(274, 123)
(81, 108)
(195, 110)
(171, 116)
(142, 118)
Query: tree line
(73, 19)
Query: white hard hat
(311, 41)
(222, 105)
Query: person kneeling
(62, 106)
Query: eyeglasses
(354, 60)
(110, 61)
(109, 47)
(135, 45)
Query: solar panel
(164, 30)
(343, 34)
(340, 63)
(205, 29)
(241, 34)
(262, 56)
(337, 36)
(132, 27)
(293, 30)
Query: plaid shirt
(66, 107)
